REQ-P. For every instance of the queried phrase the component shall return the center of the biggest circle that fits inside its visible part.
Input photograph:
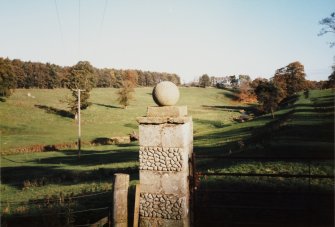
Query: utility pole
(79, 124)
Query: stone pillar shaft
(166, 144)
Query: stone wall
(161, 159)
(161, 206)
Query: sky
(186, 37)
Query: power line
(102, 20)
(60, 26)
(78, 29)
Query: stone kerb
(166, 144)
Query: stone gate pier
(166, 145)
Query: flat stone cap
(167, 111)
(164, 120)
(165, 114)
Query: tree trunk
(273, 115)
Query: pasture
(42, 120)
(29, 181)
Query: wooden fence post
(137, 205)
(120, 200)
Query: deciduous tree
(331, 78)
(246, 92)
(328, 26)
(244, 78)
(290, 79)
(204, 81)
(269, 96)
(7, 78)
(81, 77)
(125, 94)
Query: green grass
(62, 167)
(23, 123)
(306, 127)
(303, 129)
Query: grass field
(25, 121)
(304, 128)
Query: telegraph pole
(79, 124)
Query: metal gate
(256, 198)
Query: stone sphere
(165, 93)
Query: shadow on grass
(51, 173)
(252, 109)
(51, 212)
(233, 90)
(108, 106)
(52, 110)
(24, 177)
(219, 202)
(226, 108)
(91, 158)
(224, 135)
(131, 125)
(8, 159)
(216, 124)
(232, 96)
(299, 137)
(53, 208)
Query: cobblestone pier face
(166, 145)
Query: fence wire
(44, 200)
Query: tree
(291, 79)
(254, 84)
(7, 78)
(132, 77)
(81, 77)
(40, 75)
(17, 66)
(269, 96)
(244, 78)
(52, 79)
(328, 26)
(331, 78)
(204, 81)
(246, 92)
(104, 78)
(125, 94)
(174, 79)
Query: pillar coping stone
(166, 111)
(163, 120)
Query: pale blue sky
(190, 38)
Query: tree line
(26, 74)
(269, 93)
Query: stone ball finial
(165, 93)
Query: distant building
(221, 81)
